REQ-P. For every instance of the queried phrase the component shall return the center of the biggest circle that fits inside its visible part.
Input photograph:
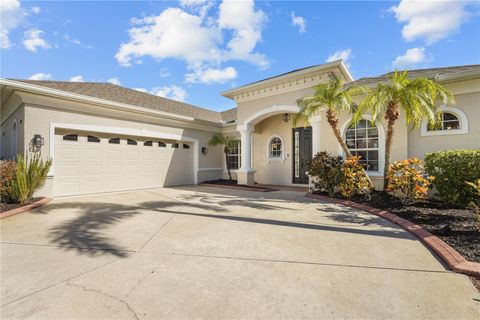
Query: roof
(120, 94)
(297, 72)
(415, 73)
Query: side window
(186, 146)
(161, 144)
(148, 143)
(70, 137)
(93, 139)
(131, 142)
(175, 145)
(114, 141)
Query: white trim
(123, 131)
(282, 158)
(251, 121)
(381, 144)
(209, 169)
(462, 118)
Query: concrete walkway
(203, 252)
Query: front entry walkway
(203, 252)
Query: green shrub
(354, 180)
(29, 177)
(407, 180)
(451, 169)
(475, 205)
(7, 174)
(327, 172)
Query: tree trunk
(228, 168)
(333, 121)
(391, 116)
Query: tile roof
(120, 94)
(429, 73)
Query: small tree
(228, 143)
(417, 98)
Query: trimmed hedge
(451, 170)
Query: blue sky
(193, 50)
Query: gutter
(83, 98)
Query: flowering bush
(7, 174)
(407, 180)
(327, 172)
(354, 180)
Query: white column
(246, 150)
(315, 122)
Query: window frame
(131, 142)
(281, 157)
(238, 155)
(68, 135)
(162, 144)
(175, 145)
(463, 124)
(90, 136)
(148, 143)
(114, 138)
(381, 143)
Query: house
(102, 137)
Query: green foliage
(451, 170)
(30, 176)
(407, 180)
(476, 203)
(7, 174)
(228, 143)
(327, 172)
(354, 179)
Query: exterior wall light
(204, 150)
(286, 117)
(38, 140)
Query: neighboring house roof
(433, 73)
(120, 94)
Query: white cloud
(36, 10)
(40, 76)
(340, 54)
(299, 22)
(164, 73)
(411, 58)
(430, 20)
(203, 41)
(33, 40)
(172, 92)
(115, 81)
(211, 75)
(77, 42)
(11, 15)
(78, 78)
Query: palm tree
(229, 143)
(417, 98)
(334, 98)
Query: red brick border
(238, 187)
(443, 250)
(28, 207)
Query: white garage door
(93, 163)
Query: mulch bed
(233, 184)
(10, 206)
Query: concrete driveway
(203, 252)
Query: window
(186, 146)
(175, 145)
(114, 141)
(233, 156)
(275, 148)
(70, 137)
(131, 142)
(449, 121)
(161, 144)
(93, 139)
(14, 138)
(148, 143)
(362, 140)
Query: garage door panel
(83, 167)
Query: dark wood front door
(302, 153)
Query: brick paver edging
(238, 187)
(28, 207)
(443, 250)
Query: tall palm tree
(334, 98)
(228, 143)
(417, 98)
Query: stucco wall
(12, 111)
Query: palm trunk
(228, 168)
(391, 116)
(333, 121)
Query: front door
(302, 153)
